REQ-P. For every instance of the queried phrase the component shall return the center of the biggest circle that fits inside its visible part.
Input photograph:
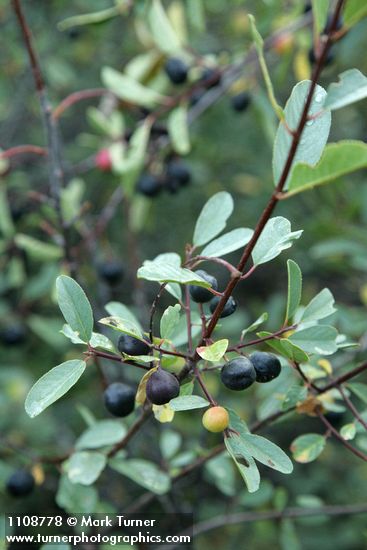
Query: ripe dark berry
(228, 309)
(119, 399)
(132, 346)
(238, 374)
(335, 418)
(20, 483)
(103, 160)
(210, 77)
(178, 171)
(162, 386)
(112, 271)
(200, 294)
(176, 70)
(267, 366)
(12, 335)
(241, 101)
(148, 185)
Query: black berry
(148, 185)
(112, 271)
(200, 294)
(267, 366)
(13, 335)
(210, 77)
(119, 399)
(176, 70)
(20, 483)
(132, 346)
(228, 309)
(241, 101)
(178, 171)
(238, 374)
(162, 386)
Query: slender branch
(96, 353)
(23, 150)
(283, 177)
(131, 432)
(351, 407)
(345, 377)
(76, 97)
(264, 339)
(337, 435)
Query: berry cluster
(240, 373)
(201, 295)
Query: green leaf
(170, 320)
(266, 452)
(53, 385)
(321, 306)
(122, 325)
(314, 136)
(259, 45)
(213, 218)
(188, 402)
(163, 272)
(275, 237)
(320, 10)
(259, 321)
(101, 341)
(6, 222)
(128, 89)
(348, 431)
(294, 288)
(163, 34)
(39, 250)
(144, 473)
(178, 131)
(116, 309)
(359, 389)
(285, 347)
(320, 339)
(84, 467)
(214, 352)
(169, 443)
(229, 242)
(219, 471)
(352, 87)
(76, 498)
(88, 18)
(75, 306)
(244, 462)
(308, 447)
(237, 424)
(73, 336)
(353, 12)
(101, 434)
(338, 159)
(288, 538)
(294, 395)
(71, 197)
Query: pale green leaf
(293, 396)
(128, 89)
(178, 131)
(320, 10)
(144, 473)
(213, 218)
(308, 447)
(266, 452)
(170, 320)
(244, 462)
(285, 347)
(275, 237)
(75, 498)
(122, 325)
(163, 272)
(337, 160)
(37, 249)
(188, 402)
(321, 306)
(320, 339)
(84, 467)
(101, 434)
(259, 321)
(229, 242)
(352, 87)
(53, 385)
(314, 135)
(294, 288)
(354, 11)
(75, 306)
(348, 431)
(116, 309)
(214, 352)
(163, 34)
(88, 18)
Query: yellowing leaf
(163, 413)
(140, 394)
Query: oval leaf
(188, 402)
(144, 473)
(229, 242)
(53, 385)
(214, 352)
(213, 218)
(308, 447)
(84, 467)
(75, 306)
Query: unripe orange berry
(215, 419)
